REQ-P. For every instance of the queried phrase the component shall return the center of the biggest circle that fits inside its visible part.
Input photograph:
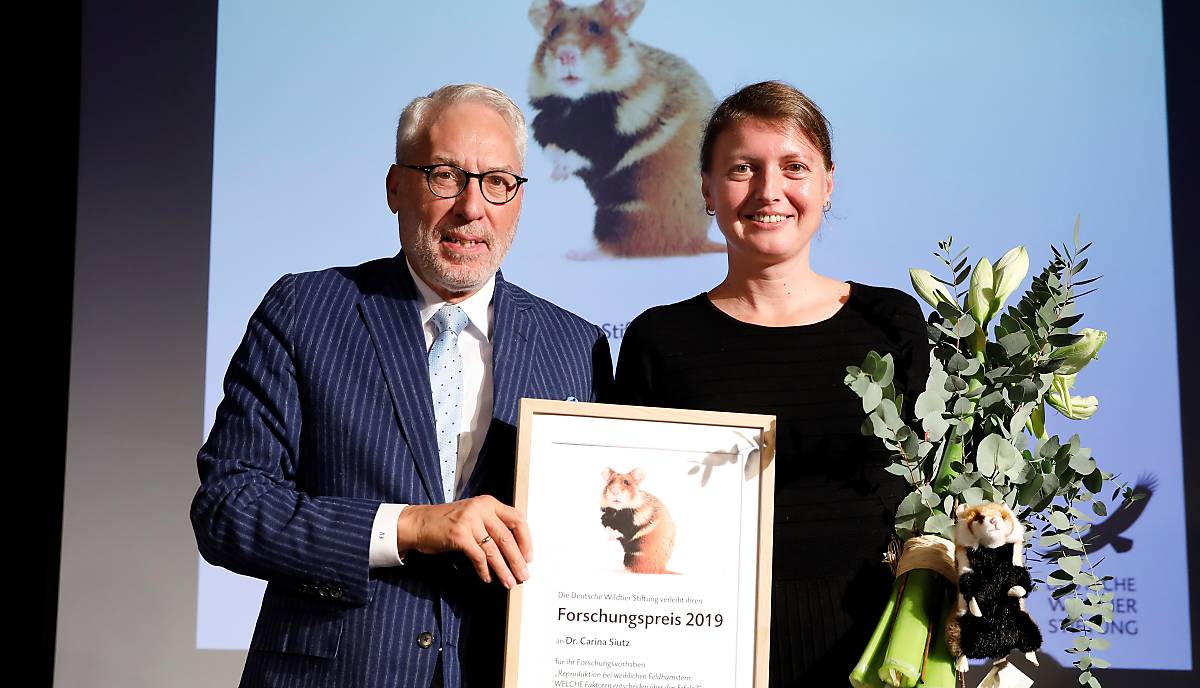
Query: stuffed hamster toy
(990, 620)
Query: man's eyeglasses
(447, 181)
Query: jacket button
(424, 640)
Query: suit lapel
(512, 349)
(513, 337)
(394, 323)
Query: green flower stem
(917, 607)
(939, 666)
(954, 448)
(953, 453)
(977, 341)
(866, 672)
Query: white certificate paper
(652, 548)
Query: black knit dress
(834, 503)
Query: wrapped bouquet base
(908, 647)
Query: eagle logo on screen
(626, 118)
(1110, 531)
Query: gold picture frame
(614, 494)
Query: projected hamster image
(626, 118)
(638, 520)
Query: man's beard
(466, 275)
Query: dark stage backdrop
(203, 141)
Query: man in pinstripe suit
(325, 472)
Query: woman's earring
(827, 206)
(710, 212)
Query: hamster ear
(638, 475)
(624, 11)
(961, 509)
(607, 474)
(542, 11)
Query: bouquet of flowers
(980, 436)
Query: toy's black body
(1004, 625)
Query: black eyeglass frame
(468, 176)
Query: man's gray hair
(416, 118)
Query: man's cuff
(384, 551)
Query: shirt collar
(476, 305)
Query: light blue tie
(445, 381)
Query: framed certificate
(652, 548)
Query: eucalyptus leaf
(879, 428)
(868, 427)
(935, 426)
(1082, 464)
(900, 470)
(1028, 494)
(1025, 391)
(1094, 481)
(939, 524)
(928, 497)
(910, 443)
(1061, 340)
(961, 482)
(929, 403)
(871, 397)
(860, 384)
(973, 496)
(873, 365)
(1071, 543)
(1048, 447)
(1050, 483)
(965, 326)
(1017, 423)
(887, 371)
(1060, 577)
(949, 310)
(891, 418)
(910, 506)
(1067, 321)
(1014, 343)
(995, 452)
(1060, 520)
(956, 364)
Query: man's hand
(493, 535)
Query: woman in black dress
(775, 337)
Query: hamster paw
(565, 163)
(1016, 591)
(974, 607)
(593, 254)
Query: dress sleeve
(913, 357)
(634, 379)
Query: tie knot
(450, 317)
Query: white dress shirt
(475, 345)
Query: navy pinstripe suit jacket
(327, 413)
